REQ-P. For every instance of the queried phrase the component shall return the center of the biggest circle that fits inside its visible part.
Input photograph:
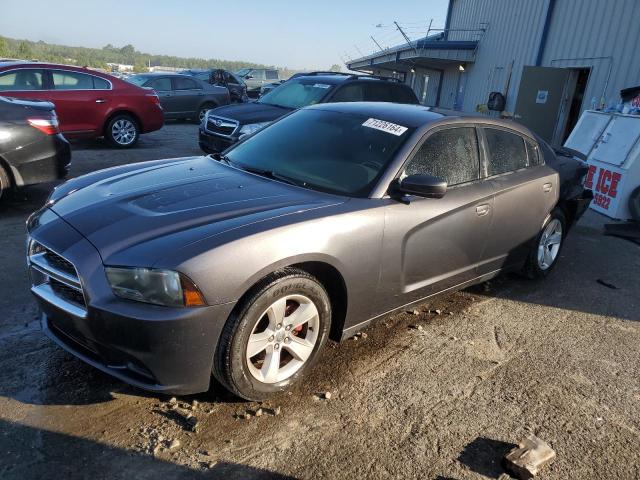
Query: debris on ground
(416, 327)
(258, 412)
(528, 457)
(327, 395)
(438, 311)
(173, 444)
(173, 401)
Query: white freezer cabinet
(611, 142)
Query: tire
(122, 131)
(634, 204)
(5, 183)
(550, 240)
(202, 110)
(259, 319)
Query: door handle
(547, 187)
(482, 210)
(101, 100)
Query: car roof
(54, 66)
(414, 116)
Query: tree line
(99, 57)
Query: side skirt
(351, 331)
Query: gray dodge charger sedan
(242, 265)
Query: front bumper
(214, 143)
(161, 349)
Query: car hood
(252, 112)
(137, 216)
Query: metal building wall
(513, 31)
(602, 35)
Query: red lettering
(588, 182)
(613, 188)
(606, 181)
(600, 178)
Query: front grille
(221, 126)
(55, 279)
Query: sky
(285, 33)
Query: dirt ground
(560, 358)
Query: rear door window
(533, 153)
(161, 84)
(100, 84)
(378, 92)
(24, 80)
(181, 83)
(507, 151)
(67, 80)
(450, 154)
(353, 92)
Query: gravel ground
(428, 395)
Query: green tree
(24, 51)
(335, 68)
(4, 48)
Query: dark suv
(224, 126)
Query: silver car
(243, 265)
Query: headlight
(159, 287)
(251, 128)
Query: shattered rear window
(506, 151)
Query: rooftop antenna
(405, 37)
(374, 41)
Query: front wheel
(202, 111)
(122, 131)
(275, 337)
(544, 253)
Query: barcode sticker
(384, 126)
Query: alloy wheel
(123, 131)
(283, 339)
(549, 244)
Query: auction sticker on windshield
(388, 127)
(321, 85)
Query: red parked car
(88, 103)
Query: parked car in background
(268, 87)
(226, 125)
(183, 96)
(236, 86)
(255, 78)
(88, 103)
(32, 150)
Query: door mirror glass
(421, 185)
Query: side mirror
(421, 186)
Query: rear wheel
(5, 183)
(122, 131)
(634, 204)
(275, 337)
(546, 249)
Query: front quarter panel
(348, 238)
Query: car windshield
(296, 94)
(137, 79)
(323, 150)
(243, 71)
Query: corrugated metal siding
(580, 30)
(513, 30)
(584, 29)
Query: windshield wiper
(221, 158)
(274, 176)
